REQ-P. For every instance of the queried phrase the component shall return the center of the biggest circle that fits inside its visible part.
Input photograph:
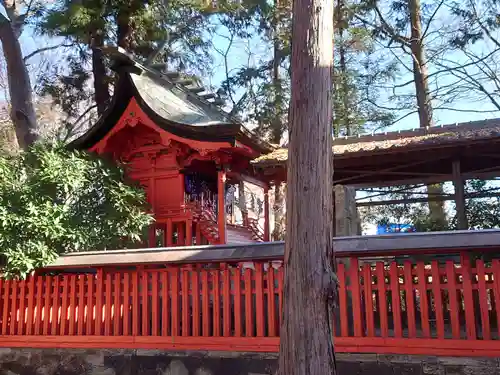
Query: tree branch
(45, 49)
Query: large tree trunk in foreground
(424, 103)
(310, 285)
(21, 99)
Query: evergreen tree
(138, 27)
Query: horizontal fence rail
(446, 305)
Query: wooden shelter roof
(394, 157)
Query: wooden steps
(236, 235)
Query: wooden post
(221, 206)
(458, 184)
(266, 214)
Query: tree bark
(424, 103)
(242, 202)
(277, 126)
(306, 346)
(420, 74)
(101, 79)
(21, 99)
(278, 212)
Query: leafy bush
(53, 200)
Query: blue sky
(251, 52)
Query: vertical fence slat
(81, 305)
(99, 302)
(155, 330)
(356, 296)
(410, 304)
(39, 303)
(226, 300)
(281, 279)
(248, 303)
(237, 301)
(438, 300)
(165, 312)
(22, 308)
(30, 317)
(72, 305)
(195, 282)
(126, 303)
(4, 306)
(205, 303)
(216, 306)
(135, 303)
(91, 309)
(117, 304)
(367, 286)
(496, 290)
(451, 286)
(424, 306)
(55, 306)
(175, 302)
(185, 291)
(108, 296)
(13, 311)
(344, 318)
(382, 298)
(64, 305)
(271, 302)
(483, 300)
(470, 319)
(396, 300)
(259, 299)
(144, 291)
(46, 306)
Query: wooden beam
(458, 183)
(385, 170)
(249, 179)
(425, 200)
(389, 244)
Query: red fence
(447, 306)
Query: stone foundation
(147, 362)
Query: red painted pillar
(221, 206)
(266, 213)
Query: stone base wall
(147, 362)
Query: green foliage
(53, 200)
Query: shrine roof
(400, 141)
(171, 104)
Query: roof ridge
(436, 129)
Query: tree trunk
(420, 66)
(124, 29)
(278, 212)
(21, 99)
(277, 127)
(101, 79)
(343, 79)
(242, 202)
(306, 346)
(424, 103)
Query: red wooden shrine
(183, 150)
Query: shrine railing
(436, 301)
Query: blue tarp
(395, 228)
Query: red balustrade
(447, 306)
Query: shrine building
(184, 150)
